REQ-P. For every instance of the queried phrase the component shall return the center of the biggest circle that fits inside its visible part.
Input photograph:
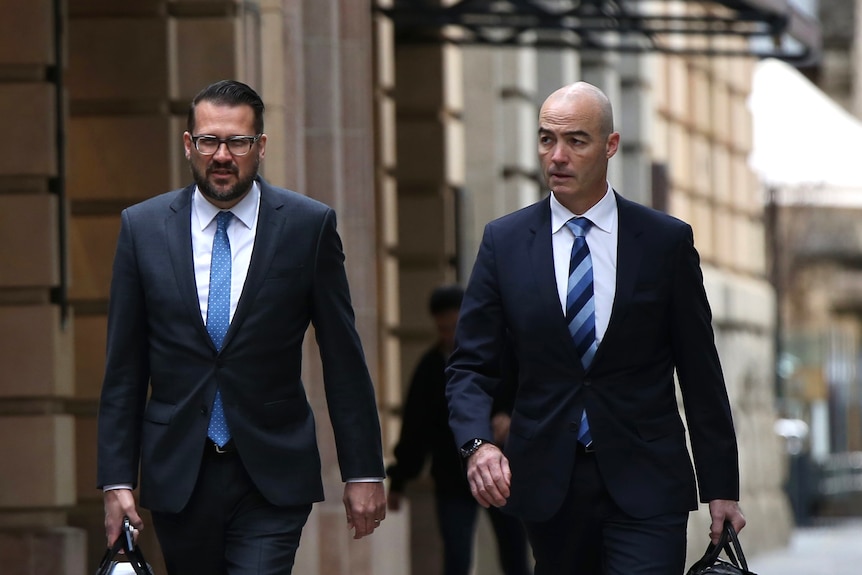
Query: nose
(222, 154)
(558, 155)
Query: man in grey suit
(213, 289)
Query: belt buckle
(226, 448)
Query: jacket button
(573, 426)
(588, 382)
(204, 410)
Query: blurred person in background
(425, 432)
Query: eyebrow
(577, 133)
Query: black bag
(126, 543)
(710, 564)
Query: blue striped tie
(218, 316)
(580, 305)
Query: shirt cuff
(366, 480)
(117, 486)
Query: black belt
(585, 449)
(226, 449)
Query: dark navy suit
(158, 343)
(660, 321)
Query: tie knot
(579, 226)
(223, 219)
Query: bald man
(602, 300)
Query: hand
(489, 476)
(120, 503)
(500, 425)
(365, 503)
(722, 510)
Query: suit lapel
(542, 259)
(541, 253)
(179, 237)
(629, 258)
(269, 224)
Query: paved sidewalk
(830, 548)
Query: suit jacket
(660, 321)
(158, 345)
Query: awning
(805, 147)
(768, 28)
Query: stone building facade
(94, 95)
(416, 147)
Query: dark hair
(445, 298)
(229, 93)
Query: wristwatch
(472, 447)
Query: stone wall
(37, 423)
(113, 136)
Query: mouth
(221, 172)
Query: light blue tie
(218, 316)
(580, 306)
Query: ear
(261, 146)
(187, 144)
(613, 145)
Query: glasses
(236, 145)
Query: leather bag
(135, 563)
(710, 564)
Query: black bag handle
(734, 540)
(729, 543)
(126, 543)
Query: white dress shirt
(240, 233)
(602, 241)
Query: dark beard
(235, 192)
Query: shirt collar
(603, 214)
(245, 210)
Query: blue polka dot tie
(580, 306)
(218, 316)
